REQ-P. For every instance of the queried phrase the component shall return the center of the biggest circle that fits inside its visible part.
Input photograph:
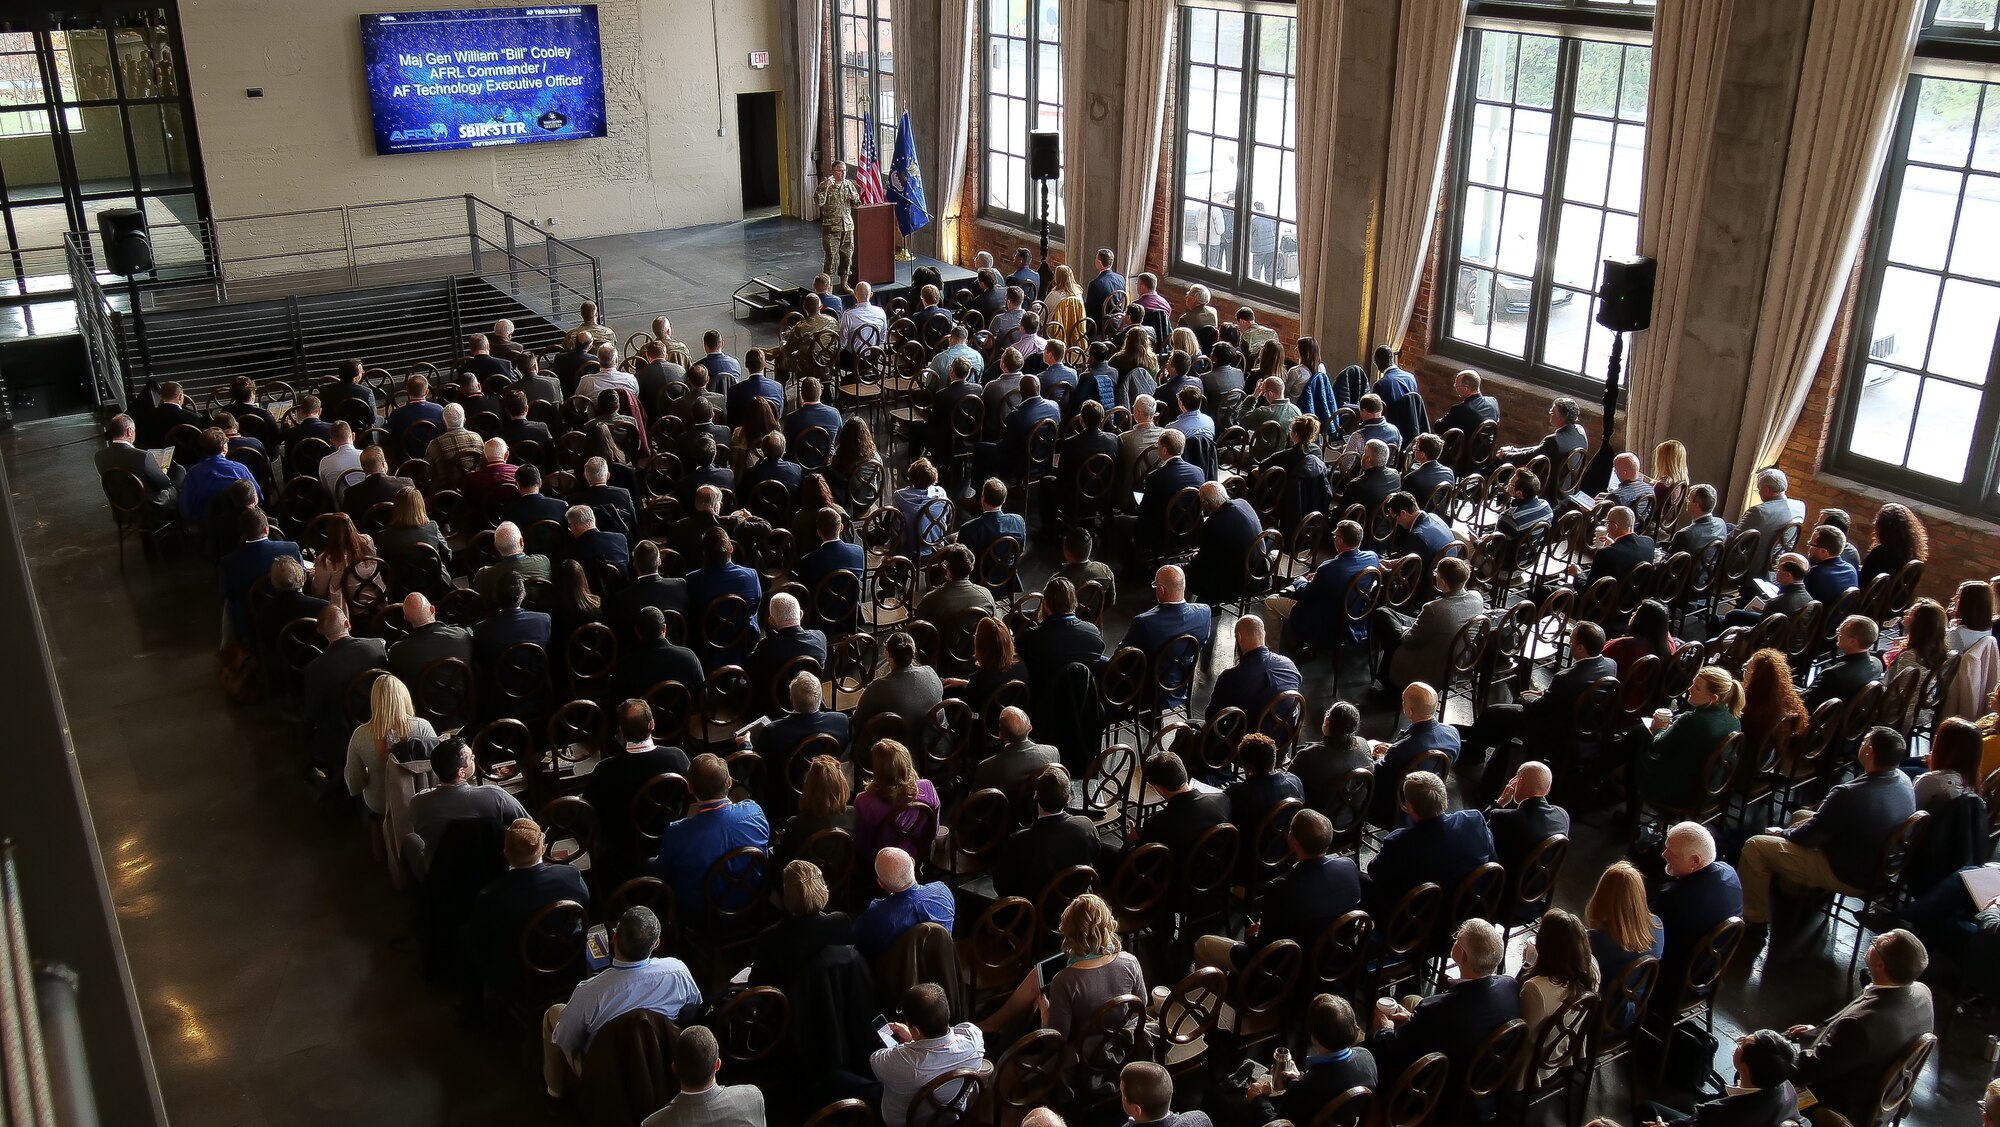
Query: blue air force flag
(906, 181)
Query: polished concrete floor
(277, 976)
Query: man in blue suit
(418, 409)
(590, 545)
(723, 371)
(511, 899)
(1258, 677)
(1402, 404)
(1830, 576)
(1024, 274)
(1319, 605)
(833, 554)
(1456, 1020)
(509, 624)
(1173, 474)
(1228, 527)
(250, 562)
(720, 575)
(805, 719)
(775, 466)
(811, 413)
(1171, 618)
(1700, 893)
(1009, 457)
(1301, 903)
(785, 642)
(1107, 282)
(1419, 533)
(1062, 640)
(713, 826)
(1435, 848)
(753, 386)
(1425, 734)
(1055, 374)
(993, 523)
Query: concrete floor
(277, 976)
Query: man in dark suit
(811, 413)
(1376, 481)
(1056, 840)
(1060, 641)
(774, 466)
(1171, 617)
(1402, 404)
(589, 545)
(1316, 608)
(533, 507)
(517, 428)
(501, 340)
(701, 470)
(627, 766)
(944, 604)
(650, 657)
(753, 386)
(1626, 550)
(123, 454)
(287, 602)
(1830, 576)
(989, 297)
(480, 361)
(687, 535)
(1844, 1060)
(1791, 599)
(1424, 735)
(718, 576)
(613, 504)
(429, 640)
(777, 740)
(418, 409)
(307, 423)
(1108, 281)
(784, 642)
(504, 907)
(1703, 527)
(1419, 648)
(1522, 818)
(1055, 374)
(1838, 845)
(1471, 409)
(1849, 673)
(1258, 677)
(1173, 474)
(648, 588)
(1565, 436)
(656, 373)
(1071, 453)
(1419, 532)
(1435, 848)
(1543, 717)
(935, 435)
(323, 714)
(1187, 813)
(375, 487)
(250, 562)
(1301, 902)
(993, 523)
(1020, 759)
(1229, 526)
(1427, 475)
(1456, 1020)
(831, 555)
(1007, 455)
(347, 386)
(509, 624)
(1700, 892)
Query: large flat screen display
(483, 76)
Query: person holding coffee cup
(1670, 773)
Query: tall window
(865, 80)
(1238, 157)
(1551, 138)
(1918, 412)
(1023, 92)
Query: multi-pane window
(21, 84)
(1023, 92)
(865, 80)
(1918, 413)
(1238, 152)
(1551, 133)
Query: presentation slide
(483, 76)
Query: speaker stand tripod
(1597, 476)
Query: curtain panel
(1148, 58)
(1080, 239)
(1430, 36)
(799, 29)
(1319, 80)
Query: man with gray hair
(807, 718)
(122, 453)
(445, 450)
(1435, 847)
(1843, 1061)
(1376, 481)
(590, 545)
(501, 340)
(1700, 892)
(1623, 551)
(1773, 511)
(1229, 526)
(1144, 435)
(904, 904)
(492, 484)
(612, 503)
(702, 1101)
(1628, 481)
(480, 362)
(609, 376)
(781, 654)
(514, 560)
(1012, 769)
(1455, 1021)
(636, 980)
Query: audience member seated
(1079, 568)
(122, 453)
(1557, 968)
(703, 1101)
(210, 477)
(903, 904)
(786, 641)
(1171, 617)
(505, 906)
(1773, 511)
(1168, 479)
(715, 824)
(1305, 899)
(1545, 715)
(429, 640)
(594, 547)
(1622, 929)
(458, 795)
(1703, 529)
(623, 770)
(323, 718)
(1376, 481)
(1258, 678)
(1855, 665)
(1472, 408)
(1790, 600)
(908, 691)
(242, 568)
(880, 821)
(1700, 893)
(1098, 970)
(1435, 848)
(788, 946)
(1261, 788)
(1323, 767)
(1673, 769)
(514, 560)
(509, 625)
(928, 1045)
(1014, 767)
(1061, 640)
(388, 761)
(1456, 1020)
(1842, 1062)
(1522, 817)
(720, 576)
(1219, 571)
(635, 980)
(1185, 812)
(1054, 841)
(1564, 438)
(1763, 1095)
(1373, 428)
(1830, 576)
(1424, 735)
(1320, 605)
(1419, 648)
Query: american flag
(868, 177)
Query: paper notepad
(1983, 883)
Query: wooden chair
(1187, 1018)
(1415, 1094)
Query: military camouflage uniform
(837, 201)
(796, 346)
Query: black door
(757, 138)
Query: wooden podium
(875, 243)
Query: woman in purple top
(895, 785)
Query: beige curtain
(1857, 61)
(1148, 58)
(1319, 79)
(945, 188)
(1688, 42)
(1429, 36)
(798, 52)
(1079, 239)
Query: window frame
(990, 154)
(1571, 23)
(1978, 492)
(1236, 281)
(877, 15)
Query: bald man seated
(1425, 734)
(1522, 818)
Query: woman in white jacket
(384, 781)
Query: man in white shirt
(339, 460)
(607, 375)
(634, 981)
(928, 1047)
(864, 323)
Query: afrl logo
(477, 129)
(432, 132)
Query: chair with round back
(1496, 1064)
(1340, 955)
(1556, 1058)
(445, 694)
(1264, 992)
(658, 803)
(569, 826)
(1414, 1095)
(752, 1025)
(1353, 1108)
(1694, 995)
(1111, 1039)
(1181, 1031)
(1532, 889)
(651, 893)
(845, 1113)
(999, 948)
(551, 946)
(1055, 897)
(1027, 1074)
(1206, 874)
(1899, 1084)
(1404, 934)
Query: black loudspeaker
(1044, 154)
(1628, 294)
(128, 249)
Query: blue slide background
(417, 123)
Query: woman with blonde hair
(1184, 340)
(1621, 929)
(1096, 969)
(1670, 468)
(384, 780)
(1670, 773)
(822, 806)
(894, 786)
(1064, 303)
(345, 546)
(788, 946)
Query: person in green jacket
(1670, 772)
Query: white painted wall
(308, 143)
